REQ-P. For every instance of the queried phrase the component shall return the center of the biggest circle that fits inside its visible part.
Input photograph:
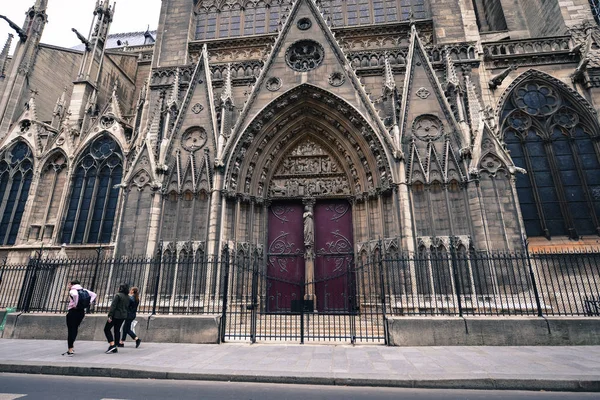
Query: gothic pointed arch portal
(298, 182)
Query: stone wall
(150, 328)
(493, 331)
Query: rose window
(536, 99)
(304, 55)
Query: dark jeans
(74, 318)
(127, 330)
(116, 325)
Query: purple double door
(333, 279)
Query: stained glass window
(16, 165)
(93, 202)
(546, 135)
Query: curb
(572, 385)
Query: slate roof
(117, 40)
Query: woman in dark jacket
(134, 302)
(116, 316)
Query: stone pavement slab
(574, 368)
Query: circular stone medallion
(304, 55)
(193, 139)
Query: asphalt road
(46, 387)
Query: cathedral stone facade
(304, 127)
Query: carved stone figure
(309, 227)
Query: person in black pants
(116, 316)
(75, 314)
(134, 302)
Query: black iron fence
(187, 285)
(238, 287)
(493, 283)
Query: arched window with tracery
(48, 196)
(557, 142)
(16, 165)
(95, 193)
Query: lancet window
(558, 144)
(439, 209)
(258, 18)
(16, 165)
(490, 15)
(95, 193)
(49, 194)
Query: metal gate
(294, 295)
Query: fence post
(254, 313)
(3, 268)
(98, 254)
(29, 282)
(382, 290)
(538, 303)
(157, 284)
(456, 275)
(225, 274)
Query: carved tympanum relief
(309, 170)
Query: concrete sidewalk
(519, 368)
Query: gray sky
(130, 16)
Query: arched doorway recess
(308, 177)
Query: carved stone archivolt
(302, 111)
(309, 170)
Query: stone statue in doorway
(309, 227)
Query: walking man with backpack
(79, 300)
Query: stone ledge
(493, 331)
(158, 328)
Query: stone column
(309, 252)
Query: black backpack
(84, 299)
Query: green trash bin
(8, 311)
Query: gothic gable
(306, 52)
(423, 93)
(195, 125)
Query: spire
(41, 5)
(90, 107)
(59, 109)
(390, 83)
(475, 109)
(174, 96)
(31, 106)
(227, 95)
(4, 55)
(451, 76)
(113, 104)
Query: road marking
(11, 396)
